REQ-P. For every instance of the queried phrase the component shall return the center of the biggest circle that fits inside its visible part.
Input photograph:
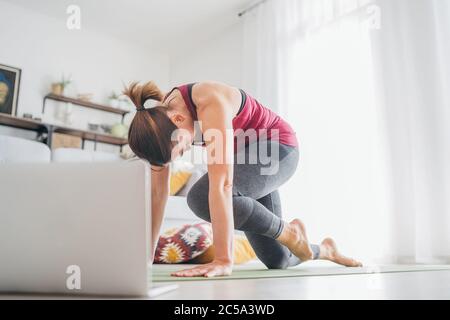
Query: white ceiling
(163, 24)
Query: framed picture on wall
(9, 89)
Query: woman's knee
(280, 264)
(197, 201)
(274, 259)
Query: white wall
(44, 49)
(99, 63)
(218, 58)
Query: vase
(119, 130)
(124, 105)
(114, 103)
(57, 89)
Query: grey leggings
(256, 201)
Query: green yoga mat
(161, 273)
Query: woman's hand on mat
(209, 270)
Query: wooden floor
(408, 285)
(401, 285)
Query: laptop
(76, 228)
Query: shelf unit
(84, 134)
(43, 128)
(83, 103)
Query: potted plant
(114, 100)
(124, 103)
(59, 87)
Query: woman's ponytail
(150, 133)
(139, 94)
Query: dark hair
(150, 133)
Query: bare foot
(329, 251)
(295, 239)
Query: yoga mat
(161, 273)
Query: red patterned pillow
(180, 245)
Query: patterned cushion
(178, 180)
(180, 245)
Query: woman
(244, 172)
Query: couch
(21, 150)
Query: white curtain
(366, 86)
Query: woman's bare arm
(216, 114)
(160, 193)
(220, 172)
